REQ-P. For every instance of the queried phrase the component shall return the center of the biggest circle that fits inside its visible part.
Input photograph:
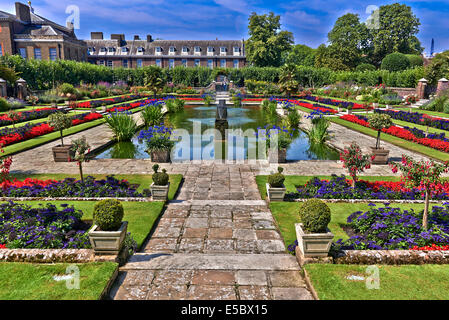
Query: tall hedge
(43, 75)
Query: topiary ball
(276, 180)
(395, 62)
(160, 178)
(315, 215)
(108, 214)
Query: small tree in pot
(108, 233)
(379, 122)
(355, 161)
(275, 186)
(61, 121)
(314, 238)
(80, 148)
(160, 186)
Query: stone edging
(309, 284)
(370, 200)
(392, 257)
(47, 255)
(135, 199)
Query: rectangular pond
(197, 139)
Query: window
(185, 49)
(223, 63)
(111, 50)
(171, 63)
(140, 49)
(124, 49)
(184, 62)
(139, 63)
(197, 62)
(159, 62)
(236, 49)
(236, 63)
(210, 49)
(37, 54)
(53, 54)
(23, 52)
(101, 62)
(110, 63)
(1, 49)
(210, 63)
(103, 50)
(158, 49)
(91, 50)
(125, 63)
(197, 49)
(172, 50)
(223, 50)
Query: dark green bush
(160, 178)
(315, 215)
(108, 214)
(276, 180)
(4, 105)
(365, 67)
(415, 60)
(395, 62)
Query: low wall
(392, 257)
(403, 91)
(47, 255)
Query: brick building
(34, 37)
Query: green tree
(349, 40)
(438, 67)
(267, 42)
(287, 82)
(396, 31)
(328, 57)
(301, 55)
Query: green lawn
(144, 180)
(430, 152)
(286, 215)
(292, 181)
(419, 126)
(24, 281)
(407, 282)
(140, 215)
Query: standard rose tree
(379, 122)
(355, 161)
(80, 148)
(60, 121)
(423, 174)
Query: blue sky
(309, 20)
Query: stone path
(222, 243)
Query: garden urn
(108, 242)
(159, 193)
(275, 194)
(380, 156)
(313, 244)
(277, 156)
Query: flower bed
(103, 102)
(336, 103)
(338, 187)
(23, 116)
(417, 118)
(314, 107)
(388, 228)
(191, 99)
(404, 133)
(10, 136)
(133, 105)
(45, 227)
(69, 187)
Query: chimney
(136, 37)
(96, 35)
(23, 12)
(69, 25)
(119, 37)
(149, 38)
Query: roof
(150, 47)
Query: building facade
(34, 37)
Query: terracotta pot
(380, 156)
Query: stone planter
(277, 156)
(108, 242)
(380, 156)
(349, 111)
(159, 193)
(313, 244)
(161, 156)
(62, 153)
(275, 194)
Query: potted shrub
(275, 186)
(378, 122)
(159, 187)
(349, 108)
(61, 121)
(108, 232)
(314, 238)
(158, 143)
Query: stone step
(218, 202)
(186, 261)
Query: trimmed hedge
(42, 74)
(395, 62)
